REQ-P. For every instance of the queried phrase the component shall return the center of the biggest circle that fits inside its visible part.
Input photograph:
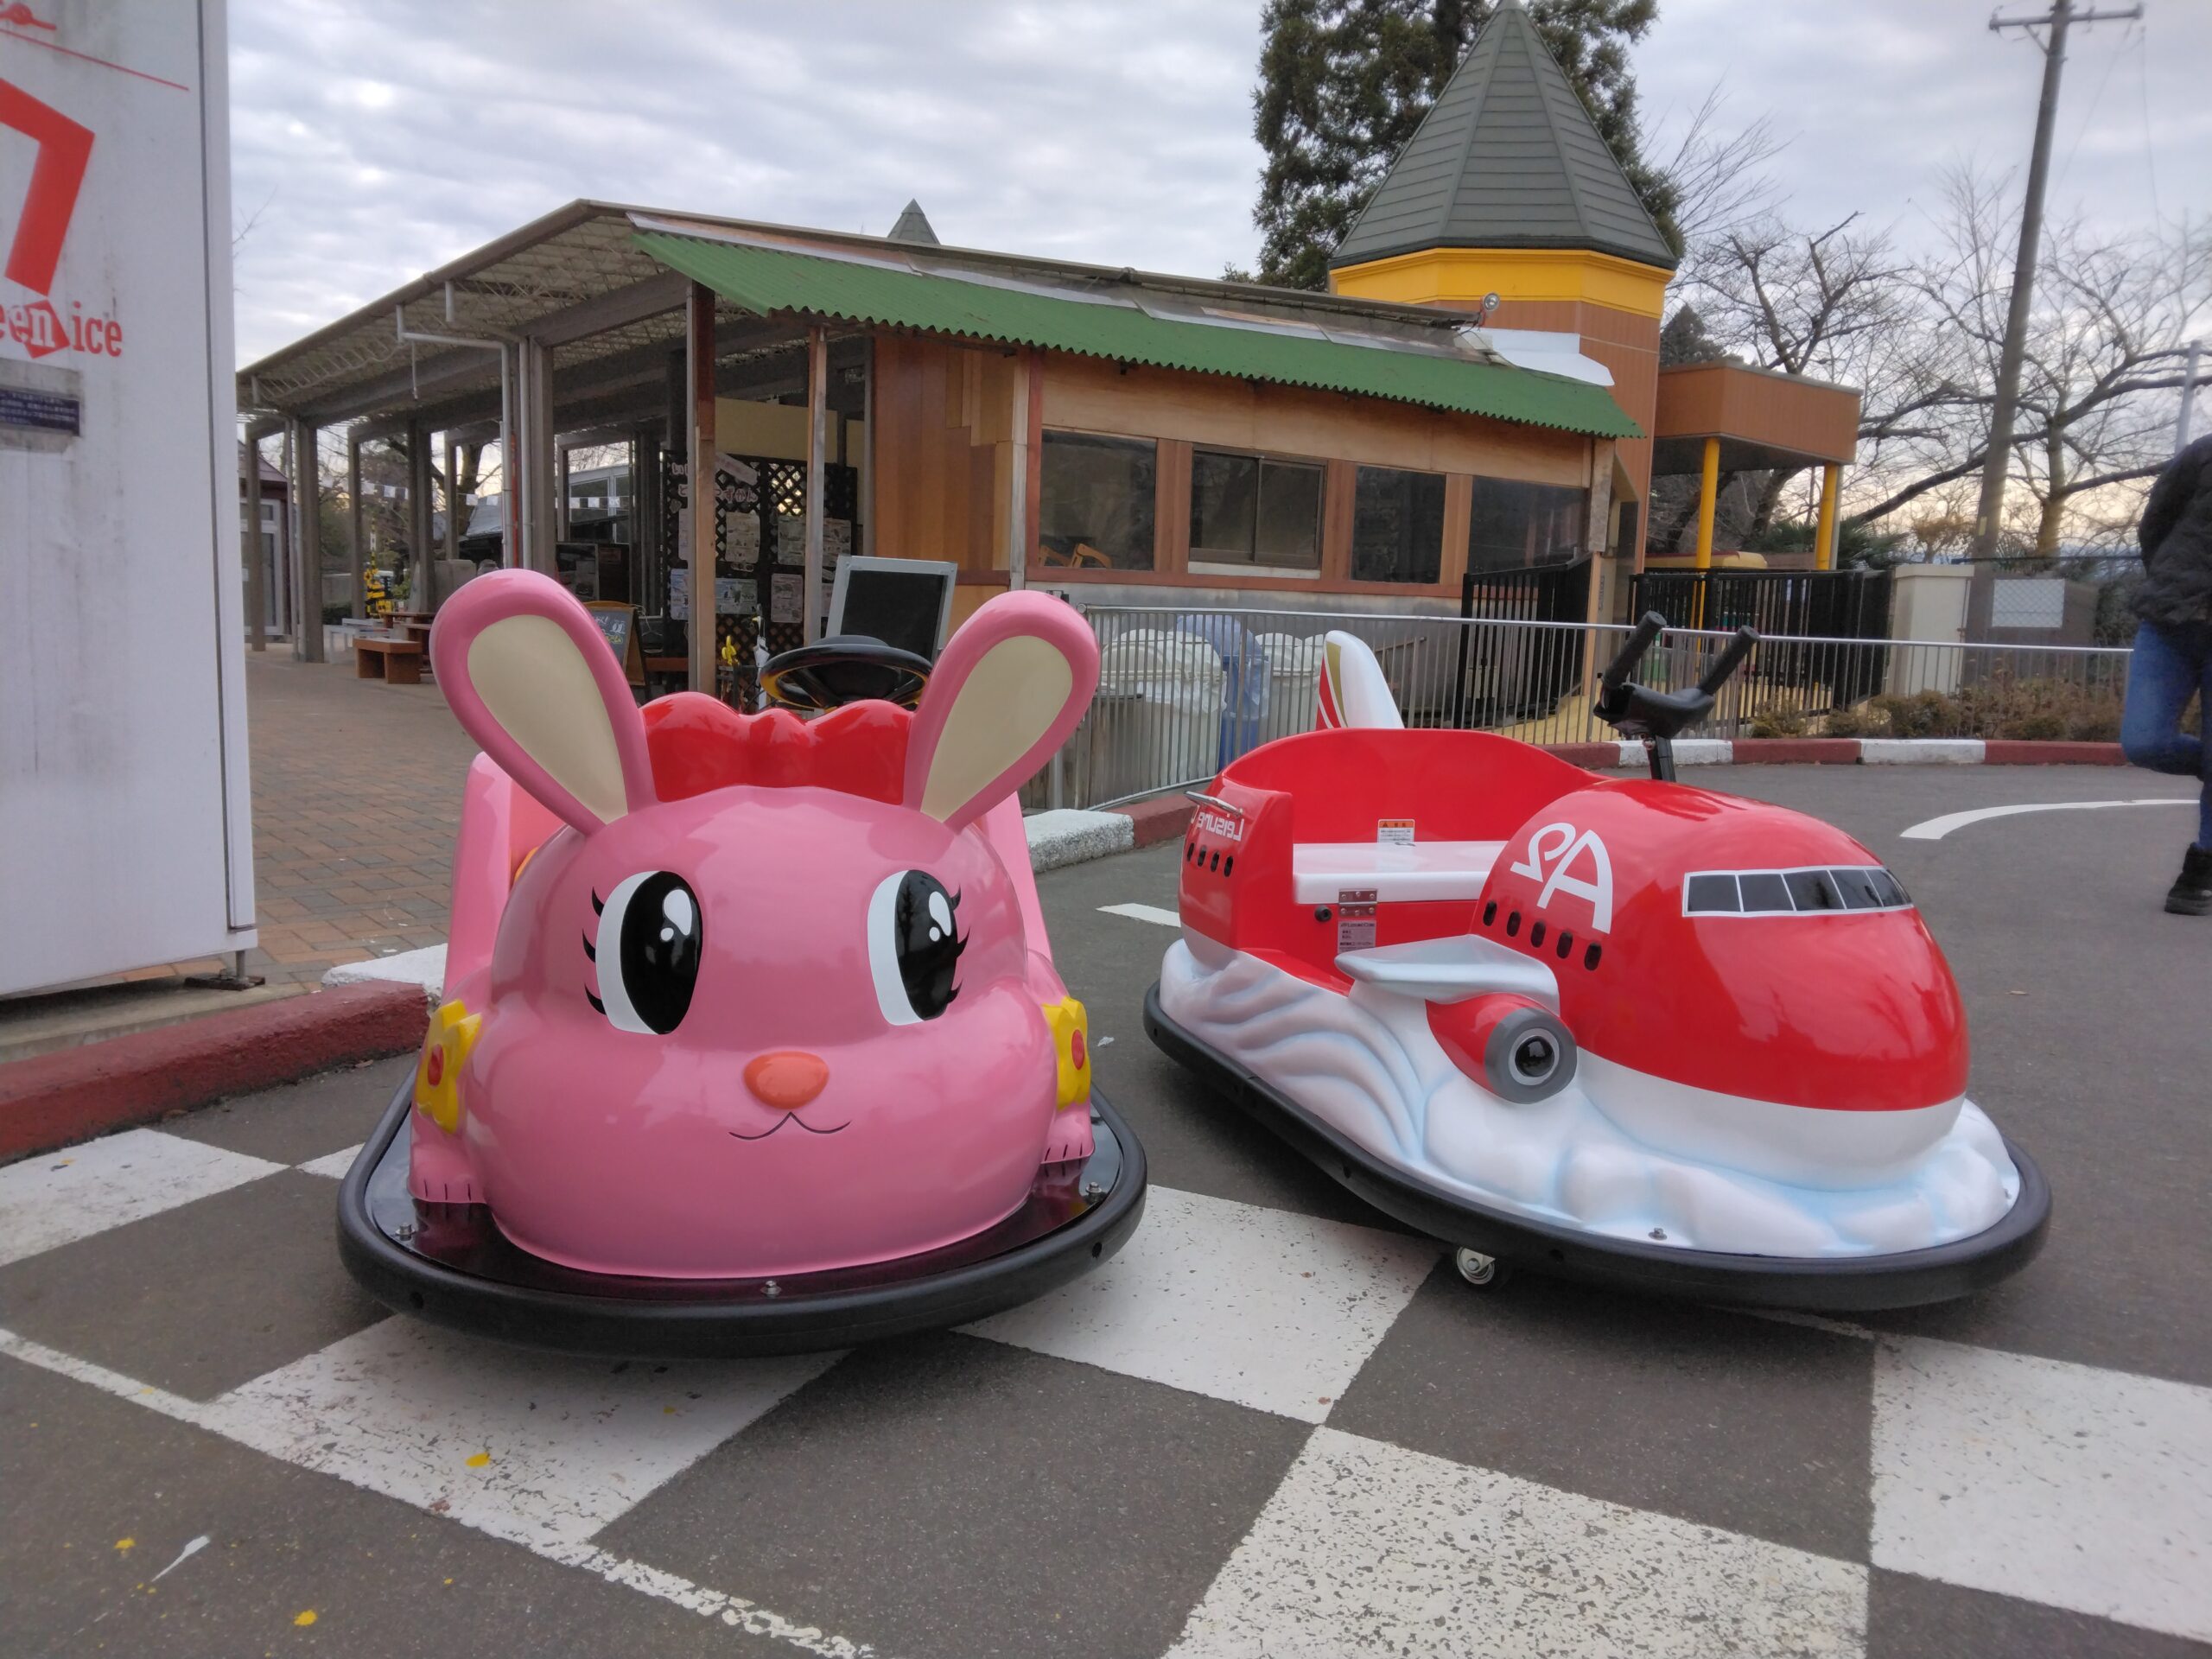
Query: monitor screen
(901, 608)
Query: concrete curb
(52, 1099)
(1070, 835)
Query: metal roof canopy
(1119, 325)
(577, 281)
(1506, 157)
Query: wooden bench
(396, 662)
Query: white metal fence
(1182, 692)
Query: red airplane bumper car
(1624, 1031)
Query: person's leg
(2168, 667)
(2162, 674)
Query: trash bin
(1294, 684)
(1244, 690)
(1155, 721)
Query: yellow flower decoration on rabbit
(452, 1033)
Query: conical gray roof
(1507, 158)
(913, 225)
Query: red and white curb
(1848, 751)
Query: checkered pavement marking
(2056, 1484)
(65, 1196)
(1260, 1307)
(2079, 1488)
(1369, 1547)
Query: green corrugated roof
(771, 280)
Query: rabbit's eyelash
(598, 905)
(591, 951)
(597, 1005)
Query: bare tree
(1721, 178)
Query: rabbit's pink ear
(1009, 689)
(532, 680)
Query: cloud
(373, 141)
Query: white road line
(60, 1197)
(332, 1164)
(1936, 829)
(1143, 913)
(1264, 1307)
(1366, 1546)
(227, 1416)
(2056, 1483)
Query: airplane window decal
(1807, 891)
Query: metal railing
(1182, 692)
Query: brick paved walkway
(356, 796)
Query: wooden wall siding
(1625, 343)
(1171, 509)
(1728, 400)
(943, 453)
(1338, 496)
(1459, 518)
(1086, 395)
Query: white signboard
(125, 834)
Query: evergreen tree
(1343, 84)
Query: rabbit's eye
(647, 951)
(913, 947)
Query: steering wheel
(844, 668)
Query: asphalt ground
(1276, 1425)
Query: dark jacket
(2177, 538)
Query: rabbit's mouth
(791, 1117)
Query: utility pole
(2188, 395)
(1990, 518)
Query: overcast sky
(373, 141)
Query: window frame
(1195, 560)
(1443, 526)
(1154, 563)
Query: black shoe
(2191, 893)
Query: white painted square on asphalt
(1367, 1547)
(60, 1196)
(332, 1165)
(1260, 1306)
(533, 1447)
(2079, 1488)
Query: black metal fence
(1505, 674)
(1784, 606)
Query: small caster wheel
(1483, 1272)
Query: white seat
(1322, 871)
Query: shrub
(2035, 711)
(1779, 722)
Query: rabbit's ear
(1009, 689)
(532, 680)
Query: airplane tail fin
(1353, 691)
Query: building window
(1250, 510)
(1397, 526)
(1515, 525)
(1098, 494)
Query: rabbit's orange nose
(786, 1080)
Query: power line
(1995, 465)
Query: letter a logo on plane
(64, 149)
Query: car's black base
(1860, 1284)
(450, 1264)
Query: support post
(1708, 495)
(540, 530)
(1026, 469)
(419, 594)
(699, 341)
(561, 506)
(510, 466)
(356, 553)
(817, 461)
(1824, 535)
(256, 563)
(867, 544)
(285, 541)
(304, 485)
(456, 504)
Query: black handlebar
(1632, 652)
(1727, 662)
(1658, 717)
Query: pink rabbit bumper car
(751, 1041)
